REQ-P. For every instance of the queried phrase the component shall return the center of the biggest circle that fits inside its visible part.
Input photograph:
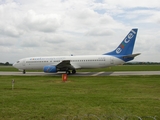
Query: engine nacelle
(50, 69)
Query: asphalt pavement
(124, 73)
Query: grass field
(48, 98)
(7, 68)
(114, 68)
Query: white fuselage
(78, 62)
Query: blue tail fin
(127, 45)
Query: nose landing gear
(73, 71)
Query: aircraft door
(111, 60)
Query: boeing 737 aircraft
(53, 64)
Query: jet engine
(50, 69)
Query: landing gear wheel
(68, 72)
(73, 71)
(24, 72)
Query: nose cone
(15, 65)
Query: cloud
(7, 42)
(99, 32)
(55, 39)
(67, 27)
(29, 44)
(41, 22)
(9, 30)
(9, 20)
(132, 3)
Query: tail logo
(125, 42)
(119, 50)
(130, 35)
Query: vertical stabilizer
(127, 45)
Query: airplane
(68, 64)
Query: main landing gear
(68, 72)
(24, 71)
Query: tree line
(5, 64)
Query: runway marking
(96, 74)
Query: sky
(86, 27)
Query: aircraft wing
(65, 64)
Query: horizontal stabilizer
(130, 56)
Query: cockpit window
(17, 61)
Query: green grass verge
(114, 68)
(125, 68)
(48, 98)
(8, 68)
